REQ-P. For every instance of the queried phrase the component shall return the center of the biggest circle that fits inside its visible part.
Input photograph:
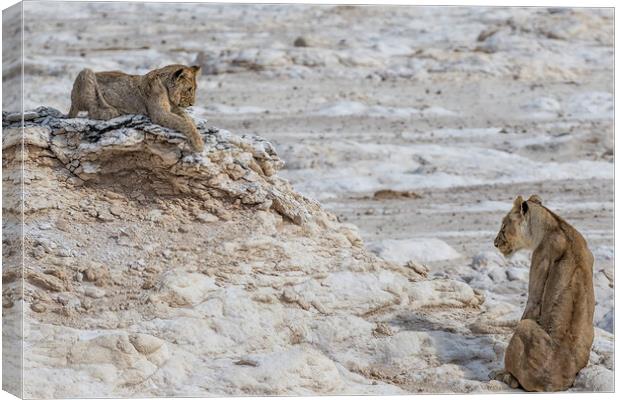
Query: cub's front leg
(192, 133)
(161, 113)
(174, 121)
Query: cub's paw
(506, 377)
(197, 143)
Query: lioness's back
(552, 342)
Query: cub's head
(515, 233)
(181, 84)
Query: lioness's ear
(196, 69)
(524, 207)
(535, 199)
(517, 202)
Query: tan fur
(161, 94)
(552, 342)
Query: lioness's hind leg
(529, 354)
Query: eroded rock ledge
(236, 168)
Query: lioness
(161, 94)
(552, 342)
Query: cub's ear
(535, 199)
(524, 207)
(178, 73)
(196, 69)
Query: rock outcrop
(154, 271)
(236, 168)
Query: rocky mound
(154, 271)
(238, 169)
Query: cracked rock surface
(238, 168)
(154, 271)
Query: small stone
(153, 269)
(28, 115)
(517, 274)
(148, 283)
(105, 216)
(154, 215)
(90, 274)
(61, 261)
(7, 302)
(137, 265)
(95, 273)
(301, 42)
(419, 268)
(63, 225)
(38, 307)
(225, 215)
(110, 195)
(116, 210)
(45, 226)
(145, 344)
(45, 281)
(75, 181)
(38, 252)
(87, 304)
(247, 362)
(63, 299)
(206, 217)
(236, 171)
(382, 329)
(63, 252)
(487, 33)
(94, 292)
(46, 244)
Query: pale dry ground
(405, 99)
(467, 217)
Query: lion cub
(161, 94)
(552, 342)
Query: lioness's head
(181, 84)
(515, 233)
